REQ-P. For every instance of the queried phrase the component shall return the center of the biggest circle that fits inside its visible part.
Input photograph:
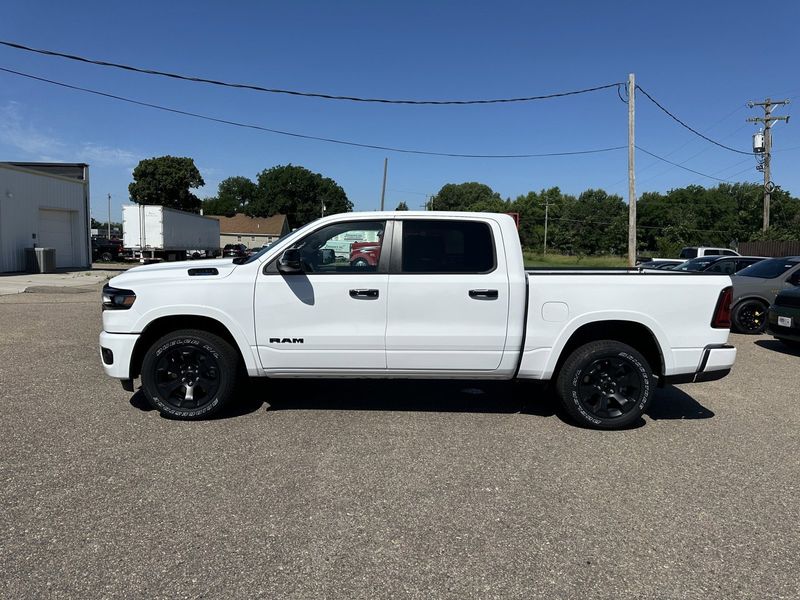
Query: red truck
(365, 254)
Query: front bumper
(116, 351)
(715, 363)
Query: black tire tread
(583, 354)
(229, 364)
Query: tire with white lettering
(189, 374)
(605, 385)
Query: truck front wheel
(189, 374)
(605, 385)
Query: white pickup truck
(444, 295)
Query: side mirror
(794, 279)
(289, 262)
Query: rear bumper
(716, 362)
(116, 350)
(781, 332)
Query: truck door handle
(363, 293)
(488, 294)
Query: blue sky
(702, 60)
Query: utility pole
(631, 171)
(109, 216)
(383, 189)
(766, 149)
(546, 215)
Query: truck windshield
(768, 269)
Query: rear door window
(723, 266)
(447, 247)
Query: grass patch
(533, 259)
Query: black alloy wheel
(605, 384)
(750, 316)
(189, 374)
(610, 387)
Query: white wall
(22, 194)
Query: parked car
(718, 264)
(783, 318)
(755, 289)
(452, 300)
(235, 250)
(105, 249)
(696, 251)
(661, 263)
(253, 251)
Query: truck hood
(187, 269)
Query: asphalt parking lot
(386, 489)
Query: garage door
(55, 231)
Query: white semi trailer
(155, 233)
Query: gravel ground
(386, 489)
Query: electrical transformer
(758, 143)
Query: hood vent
(203, 272)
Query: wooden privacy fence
(765, 248)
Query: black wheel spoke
(187, 376)
(169, 387)
(621, 400)
(610, 387)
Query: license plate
(785, 321)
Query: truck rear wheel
(605, 385)
(189, 374)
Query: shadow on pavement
(673, 403)
(778, 346)
(402, 395)
(427, 395)
(248, 403)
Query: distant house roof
(242, 224)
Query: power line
(693, 156)
(408, 192)
(301, 135)
(694, 131)
(680, 166)
(258, 88)
(683, 162)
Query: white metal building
(44, 205)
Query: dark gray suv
(755, 288)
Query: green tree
(402, 206)
(463, 196)
(297, 193)
(166, 181)
(233, 196)
(597, 223)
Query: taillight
(722, 313)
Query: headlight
(117, 299)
